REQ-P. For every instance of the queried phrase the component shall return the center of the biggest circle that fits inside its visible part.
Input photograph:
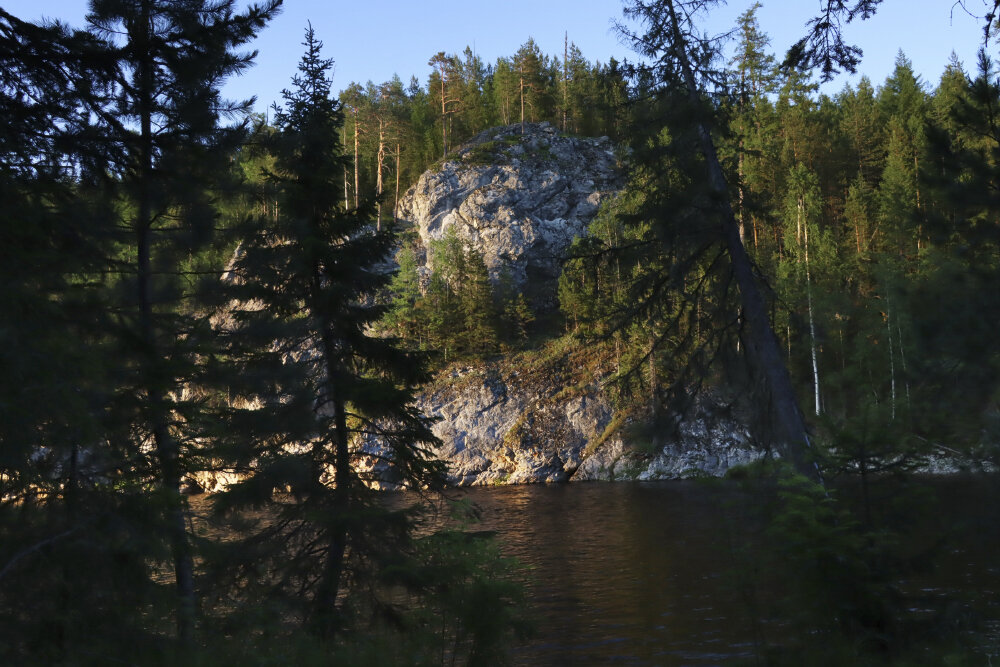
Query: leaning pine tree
(693, 229)
(315, 383)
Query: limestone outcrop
(519, 200)
(507, 424)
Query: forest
(188, 286)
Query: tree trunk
(565, 80)
(812, 320)
(739, 163)
(327, 615)
(357, 189)
(521, 88)
(380, 161)
(444, 113)
(395, 201)
(790, 431)
(902, 360)
(892, 359)
(167, 450)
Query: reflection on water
(643, 573)
(626, 573)
(640, 573)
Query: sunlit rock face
(504, 424)
(518, 199)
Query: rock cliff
(515, 422)
(520, 200)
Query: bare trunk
(327, 620)
(892, 360)
(653, 402)
(395, 201)
(444, 114)
(902, 361)
(741, 195)
(357, 188)
(521, 85)
(380, 160)
(328, 591)
(565, 79)
(812, 320)
(739, 165)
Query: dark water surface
(643, 573)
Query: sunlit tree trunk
(357, 141)
(892, 360)
(395, 201)
(809, 303)
(380, 161)
(565, 80)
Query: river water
(642, 573)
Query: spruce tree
(320, 392)
(862, 124)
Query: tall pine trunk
(357, 188)
(521, 88)
(395, 201)
(565, 80)
(809, 304)
(380, 162)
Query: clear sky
(374, 39)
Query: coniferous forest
(191, 287)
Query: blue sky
(374, 39)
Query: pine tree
(960, 270)
(580, 94)
(533, 96)
(70, 579)
(444, 80)
(55, 244)
(898, 193)
(682, 66)
(162, 126)
(478, 307)
(505, 89)
(802, 236)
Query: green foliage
(461, 311)
(831, 570)
(478, 96)
(314, 385)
